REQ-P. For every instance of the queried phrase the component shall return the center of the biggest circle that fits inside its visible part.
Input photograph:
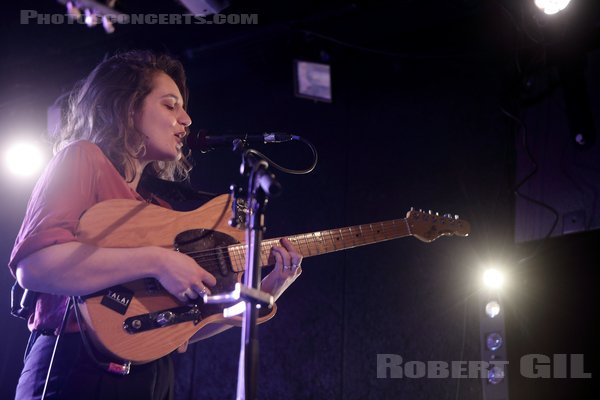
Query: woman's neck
(133, 181)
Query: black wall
(398, 134)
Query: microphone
(204, 142)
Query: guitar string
(331, 233)
(301, 237)
(387, 227)
(210, 255)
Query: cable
(60, 332)
(288, 170)
(525, 179)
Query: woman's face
(162, 120)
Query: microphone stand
(261, 185)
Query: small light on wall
(313, 81)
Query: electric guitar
(140, 321)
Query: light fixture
(24, 159)
(551, 7)
(205, 7)
(495, 375)
(313, 80)
(90, 18)
(492, 332)
(494, 341)
(95, 12)
(492, 308)
(107, 25)
(493, 278)
(73, 11)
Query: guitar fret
(322, 242)
(265, 250)
(343, 241)
(317, 242)
(383, 230)
(332, 240)
(352, 236)
(241, 253)
(307, 244)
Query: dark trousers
(75, 376)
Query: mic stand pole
(261, 184)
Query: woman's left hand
(287, 269)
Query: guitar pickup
(160, 319)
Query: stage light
(492, 309)
(551, 7)
(107, 25)
(73, 11)
(205, 7)
(95, 12)
(494, 341)
(24, 159)
(495, 375)
(493, 278)
(91, 18)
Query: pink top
(78, 177)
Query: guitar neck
(328, 241)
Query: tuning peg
(456, 216)
(429, 212)
(448, 216)
(412, 209)
(437, 214)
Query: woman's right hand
(181, 276)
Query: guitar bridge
(160, 319)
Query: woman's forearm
(76, 268)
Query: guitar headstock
(428, 226)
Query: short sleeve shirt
(77, 177)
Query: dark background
(441, 105)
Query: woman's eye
(170, 107)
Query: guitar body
(122, 321)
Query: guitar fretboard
(317, 243)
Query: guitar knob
(164, 318)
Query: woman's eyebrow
(177, 99)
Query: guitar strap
(22, 301)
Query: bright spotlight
(493, 279)
(552, 6)
(91, 19)
(24, 159)
(492, 309)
